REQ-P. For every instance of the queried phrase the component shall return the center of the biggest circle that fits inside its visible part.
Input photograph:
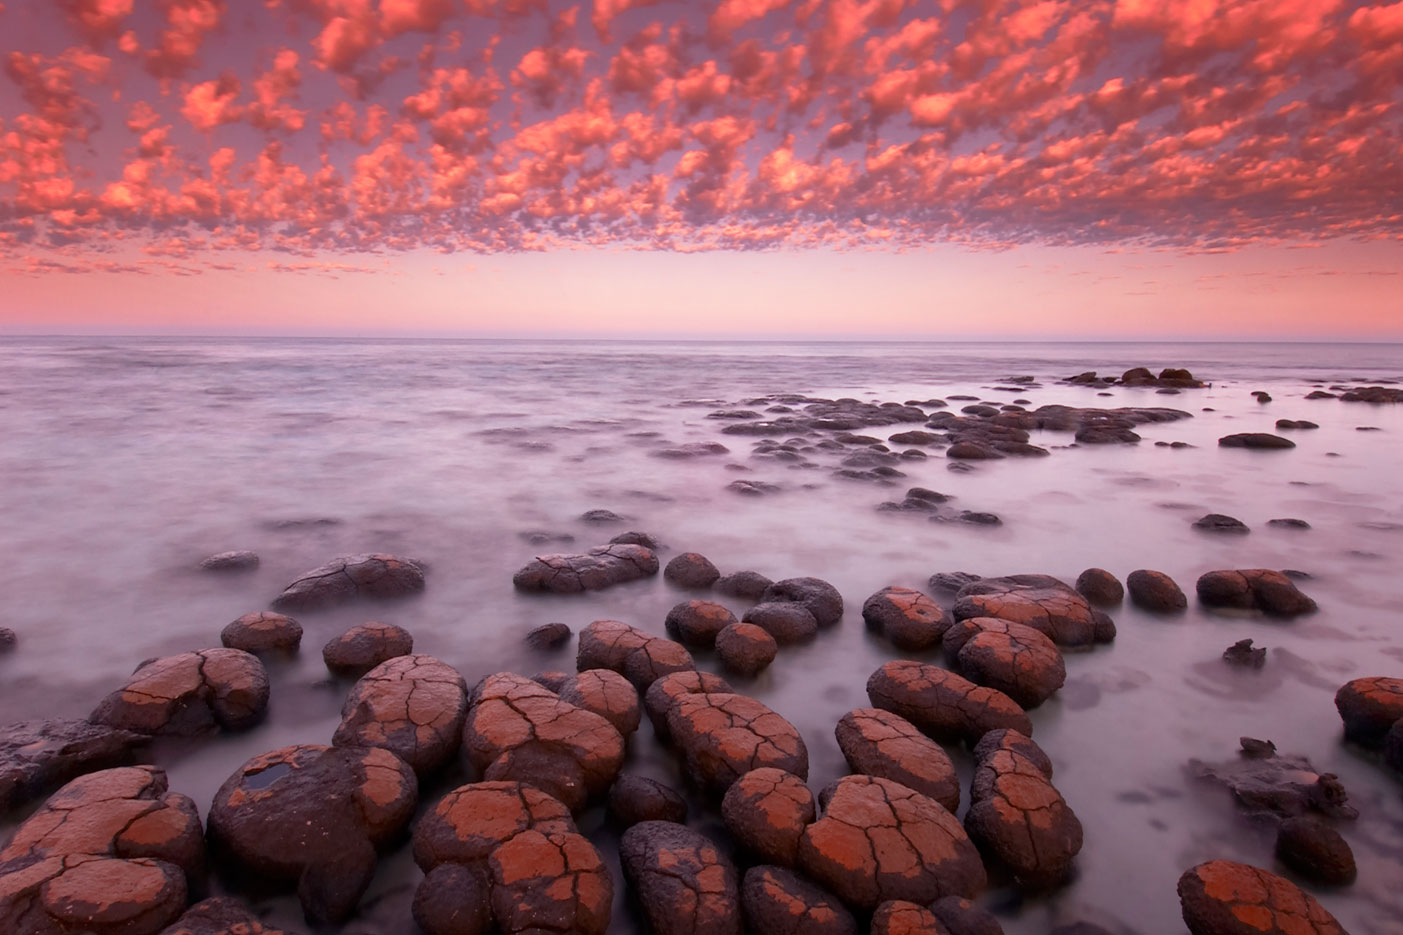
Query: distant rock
(1373, 394)
(1253, 589)
(745, 584)
(1242, 653)
(37, 757)
(8, 640)
(1297, 424)
(600, 568)
(231, 561)
(602, 517)
(376, 576)
(1219, 522)
(548, 636)
(1289, 523)
(1255, 440)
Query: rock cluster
(1253, 589)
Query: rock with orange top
(314, 816)
(696, 623)
(364, 647)
(943, 704)
(189, 694)
(780, 902)
(1369, 707)
(606, 693)
(722, 736)
(263, 632)
(639, 656)
(1042, 602)
(899, 917)
(1222, 897)
(665, 692)
(1015, 659)
(683, 881)
(412, 706)
(880, 743)
(911, 620)
(111, 853)
(377, 576)
(766, 811)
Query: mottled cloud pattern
(188, 129)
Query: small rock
(963, 917)
(744, 584)
(1218, 522)
(263, 632)
(882, 744)
(1242, 653)
(606, 693)
(633, 537)
(601, 517)
(1155, 591)
(8, 640)
(1253, 589)
(189, 694)
(1254, 748)
(1315, 851)
(1100, 587)
(943, 704)
(691, 570)
(376, 576)
(548, 636)
(910, 619)
(413, 706)
(366, 646)
(766, 810)
(230, 561)
(788, 623)
(1255, 440)
(696, 623)
(595, 570)
(820, 597)
(1289, 523)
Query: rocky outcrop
(943, 704)
(882, 744)
(684, 883)
(189, 694)
(412, 706)
(1017, 816)
(1253, 589)
(1222, 897)
(37, 757)
(594, 570)
(912, 621)
(1281, 785)
(638, 656)
(364, 647)
(375, 576)
(766, 810)
(263, 632)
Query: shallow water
(126, 461)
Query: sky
(1112, 169)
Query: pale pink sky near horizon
(735, 168)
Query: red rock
(1015, 659)
(880, 743)
(766, 811)
(779, 902)
(1018, 816)
(1226, 898)
(189, 694)
(608, 694)
(911, 620)
(683, 881)
(943, 704)
(263, 632)
(1039, 601)
(364, 647)
(600, 568)
(412, 706)
(745, 649)
(377, 576)
(724, 736)
(1369, 707)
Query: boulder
(745, 649)
(263, 632)
(899, 917)
(1369, 707)
(1222, 897)
(1289, 424)
(664, 693)
(111, 853)
(972, 451)
(766, 811)
(549, 636)
(943, 704)
(37, 757)
(818, 596)
(696, 623)
(376, 576)
(1018, 817)
(242, 560)
(608, 694)
(723, 736)
(314, 816)
(220, 915)
(1253, 589)
(789, 623)
(453, 899)
(780, 902)
(963, 917)
(1316, 851)
(1015, 659)
(744, 584)
(1039, 601)
(189, 694)
(1101, 587)
(1218, 522)
(412, 706)
(684, 883)
(1255, 440)
(639, 656)
(1155, 591)
(634, 798)
(594, 570)
(912, 621)
(882, 744)
(691, 570)
(878, 840)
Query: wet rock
(1253, 589)
(1255, 748)
(899, 917)
(1015, 742)
(745, 649)
(1289, 523)
(634, 798)
(818, 596)
(1242, 653)
(916, 437)
(189, 694)
(263, 632)
(1262, 396)
(640, 657)
(520, 731)
(1155, 591)
(111, 853)
(1262, 781)
(601, 517)
(230, 561)
(943, 704)
(473, 820)
(1218, 522)
(1226, 898)
(696, 623)
(37, 757)
(220, 916)
(555, 882)
(779, 902)
(8, 640)
(882, 744)
(878, 840)
(745, 584)
(766, 811)
(314, 815)
(549, 636)
(608, 694)
(683, 881)
(1015, 659)
(1039, 601)
(366, 646)
(910, 619)
(963, 917)
(952, 582)
(788, 623)
(376, 576)
(1369, 707)
(633, 537)
(412, 706)
(1319, 394)
(1018, 817)
(664, 693)
(1316, 851)
(691, 570)
(1101, 587)
(599, 568)
(1289, 424)
(1255, 440)
(723, 736)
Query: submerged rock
(1015, 659)
(1255, 440)
(639, 656)
(722, 736)
(1222, 897)
(549, 636)
(696, 623)
(1284, 785)
(189, 694)
(1040, 601)
(818, 596)
(683, 881)
(37, 757)
(1369, 707)
(412, 706)
(1253, 589)
(599, 568)
(377, 576)
(745, 584)
(745, 649)
(1242, 653)
(1316, 851)
(1218, 522)
(789, 623)
(364, 647)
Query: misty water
(126, 461)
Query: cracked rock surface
(189, 694)
(37, 757)
(608, 694)
(1015, 659)
(766, 811)
(695, 623)
(639, 656)
(594, 570)
(263, 632)
(683, 881)
(780, 902)
(412, 706)
(1369, 707)
(1042, 602)
(880, 743)
(943, 704)
(665, 692)
(899, 917)
(377, 576)
(787, 622)
(1222, 897)
(1253, 589)
(724, 736)
(363, 647)
(911, 620)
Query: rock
(1217, 522)
(1393, 747)
(766, 811)
(520, 731)
(263, 632)
(189, 694)
(608, 694)
(1253, 589)
(8, 640)
(1263, 782)
(219, 916)
(899, 917)
(1262, 396)
(37, 757)
(1015, 659)
(1099, 586)
(752, 488)
(779, 902)
(1369, 707)
(599, 568)
(1039, 601)
(640, 657)
(364, 647)
(1315, 851)
(1319, 394)
(1226, 898)
(744, 584)
(634, 798)
(111, 853)
(787, 622)
(818, 596)
(951, 581)
(665, 692)
(683, 881)
(691, 570)
(1242, 653)
(314, 815)
(1019, 818)
(878, 840)
(473, 820)
(696, 623)
(1255, 440)
(723, 736)
(453, 899)
(376, 576)
(555, 882)
(549, 636)
(1155, 591)
(412, 706)
(1015, 742)
(910, 619)
(633, 537)
(1289, 424)
(230, 561)
(691, 450)
(553, 679)
(1255, 748)
(942, 704)
(882, 744)
(1289, 523)
(1373, 394)
(979, 519)
(745, 649)
(963, 917)
(601, 517)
